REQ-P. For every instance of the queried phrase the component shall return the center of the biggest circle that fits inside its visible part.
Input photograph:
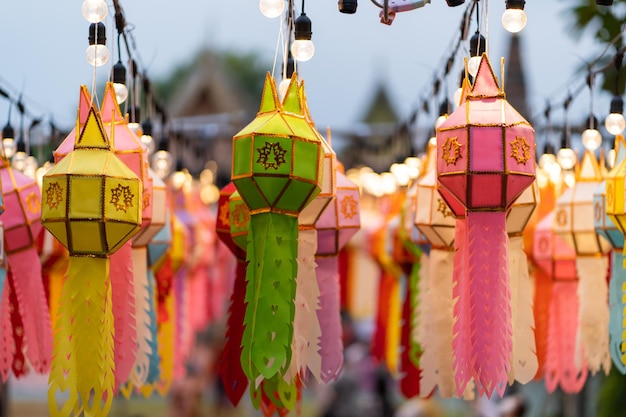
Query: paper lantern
(92, 204)
(277, 169)
(574, 222)
(223, 224)
(485, 160)
(29, 319)
(524, 364)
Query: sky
(42, 47)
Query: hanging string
(278, 46)
(591, 81)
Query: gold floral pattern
(520, 150)
(240, 216)
(225, 213)
(54, 195)
(561, 217)
(271, 155)
(33, 203)
(349, 207)
(121, 198)
(451, 150)
(443, 208)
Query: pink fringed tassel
(561, 361)
(7, 344)
(19, 360)
(123, 296)
(460, 293)
(33, 306)
(489, 301)
(331, 344)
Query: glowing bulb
(432, 141)
(569, 178)
(121, 92)
(542, 178)
(472, 65)
(415, 166)
(440, 121)
(591, 139)
(555, 173)
(401, 174)
(615, 123)
(302, 50)
(457, 96)
(514, 20)
(97, 55)
(162, 163)
(9, 147)
(272, 8)
(546, 161)
(566, 158)
(283, 86)
(18, 162)
(94, 11)
(178, 179)
(610, 158)
(30, 167)
(134, 127)
(148, 141)
(388, 183)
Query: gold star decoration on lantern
(349, 207)
(54, 195)
(33, 203)
(520, 150)
(561, 218)
(271, 155)
(240, 216)
(451, 151)
(122, 198)
(443, 208)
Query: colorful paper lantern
(574, 222)
(564, 364)
(524, 364)
(485, 159)
(92, 204)
(277, 169)
(29, 319)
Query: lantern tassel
(561, 359)
(329, 315)
(154, 370)
(617, 298)
(33, 307)
(83, 362)
(123, 287)
(460, 292)
(306, 325)
(524, 359)
(141, 367)
(19, 360)
(7, 344)
(442, 320)
(270, 292)
(412, 350)
(489, 300)
(541, 308)
(166, 336)
(594, 311)
(231, 372)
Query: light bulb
(569, 178)
(401, 174)
(30, 167)
(615, 123)
(178, 179)
(162, 163)
(97, 55)
(18, 162)
(134, 127)
(302, 50)
(283, 87)
(591, 139)
(148, 141)
(121, 92)
(472, 65)
(94, 11)
(546, 161)
(9, 147)
(272, 8)
(514, 20)
(388, 183)
(440, 121)
(415, 166)
(555, 173)
(432, 141)
(566, 158)
(457, 96)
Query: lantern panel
(239, 219)
(85, 237)
(80, 206)
(17, 238)
(132, 159)
(455, 188)
(13, 205)
(587, 243)
(452, 151)
(455, 205)
(254, 198)
(122, 199)
(292, 200)
(242, 147)
(347, 206)
(161, 242)
(516, 184)
(480, 197)
(433, 216)
(486, 154)
(58, 230)
(273, 156)
(520, 149)
(327, 242)
(117, 233)
(603, 224)
(522, 210)
(270, 187)
(312, 211)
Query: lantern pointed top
(84, 105)
(485, 82)
(589, 168)
(92, 134)
(110, 109)
(292, 102)
(269, 100)
(620, 149)
(305, 105)
(466, 89)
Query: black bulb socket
(477, 45)
(164, 144)
(119, 73)
(592, 122)
(515, 4)
(617, 105)
(21, 146)
(454, 3)
(302, 28)
(8, 132)
(97, 34)
(347, 6)
(146, 127)
(604, 2)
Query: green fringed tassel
(271, 287)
